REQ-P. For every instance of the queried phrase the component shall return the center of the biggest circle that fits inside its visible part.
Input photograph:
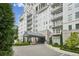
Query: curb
(62, 51)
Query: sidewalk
(62, 51)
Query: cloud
(21, 5)
(18, 4)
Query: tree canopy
(6, 28)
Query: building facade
(49, 20)
(70, 19)
(57, 20)
(22, 27)
(36, 18)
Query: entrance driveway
(35, 50)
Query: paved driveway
(35, 50)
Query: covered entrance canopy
(33, 34)
(39, 38)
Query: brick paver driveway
(35, 50)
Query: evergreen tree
(6, 29)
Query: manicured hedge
(21, 44)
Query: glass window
(77, 26)
(46, 22)
(70, 17)
(76, 5)
(69, 4)
(37, 8)
(70, 8)
(77, 15)
(53, 30)
(70, 27)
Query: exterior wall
(43, 19)
(66, 12)
(22, 27)
(56, 39)
(70, 9)
(57, 21)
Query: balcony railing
(57, 33)
(30, 22)
(28, 19)
(57, 26)
(56, 4)
(57, 15)
(42, 9)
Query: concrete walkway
(36, 50)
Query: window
(69, 4)
(53, 30)
(69, 7)
(77, 26)
(54, 24)
(77, 15)
(50, 27)
(46, 22)
(76, 5)
(43, 5)
(70, 27)
(70, 17)
(37, 8)
(36, 25)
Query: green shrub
(21, 43)
(6, 53)
(72, 41)
(56, 45)
(66, 48)
(50, 40)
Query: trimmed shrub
(56, 45)
(22, 43)
(72, 41)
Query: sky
(18, 11)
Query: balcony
(57, 26)
(56, 4)
(56, 34)
(57, 15)
(29, 27)
(30, 18)
(57, 31)
(57, 19)
(30, 22)
(30, 15)
(56, 10)
(42, 9)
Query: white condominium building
(70, 19)
(42, 17)
(40, 20)
(37, 17)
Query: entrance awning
(33, 34)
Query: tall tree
(6, 29)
